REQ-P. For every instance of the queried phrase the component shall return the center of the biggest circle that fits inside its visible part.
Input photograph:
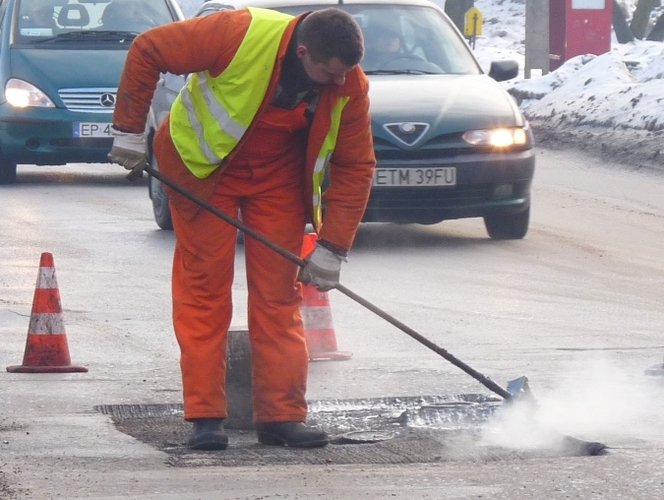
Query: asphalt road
(576, 306)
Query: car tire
(7, 172)
(159, 197)
(508, 226)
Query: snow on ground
(623, 89)
(613, 102)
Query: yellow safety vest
(323, 158)
(211, 114)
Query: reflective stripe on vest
(211, 114)
(323, 158)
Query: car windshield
(407, 39)
(54, 21)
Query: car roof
(268, 4)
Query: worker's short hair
(329, 33)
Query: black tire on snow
(7, 172)
(159, 197)
(508, 226)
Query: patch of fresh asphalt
(408, 430)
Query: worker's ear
(301, 50)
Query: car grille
(89, 100)
(442, 146)
(430, 198)
(425, 206)
(82, 142)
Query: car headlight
(499, 138)
(21, 94)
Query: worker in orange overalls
(274, 107)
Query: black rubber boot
(294, 434)
(208, 434)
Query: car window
(64, 20)
(405, 38)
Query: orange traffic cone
(46, 349)
(317, 317)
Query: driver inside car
(126, 15)
(381, 47)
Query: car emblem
(107, 100)
(407, 132)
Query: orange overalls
(264, 182)
(267, 180)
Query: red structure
(578, 27)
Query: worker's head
(329, 44)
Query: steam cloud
(605, 400)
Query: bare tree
(638, 27)
(641, 18)
(623, 32)
(657, 32)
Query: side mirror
(504, 70)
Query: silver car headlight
(21, 94)
(498, 138)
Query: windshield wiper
(102, 35)
(399, 72)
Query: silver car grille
(89, 100)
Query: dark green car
(450, 141)
(60, 64)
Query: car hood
(448, 104)
(51, 70)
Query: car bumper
(485, 185)
(46, 137)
